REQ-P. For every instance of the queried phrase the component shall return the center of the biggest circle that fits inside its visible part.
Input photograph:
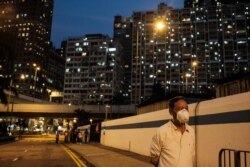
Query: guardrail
(233, 158)
(242, 158)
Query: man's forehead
(181, 103)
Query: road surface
(38, 151)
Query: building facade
(123, 35)
(92, 70)
(55, 76)
(233, 85)
(203, 3)
(27, 24)
(196, 46)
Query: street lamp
(159, 26)
(187, 75)
(106, 111)
(22, 77)
(194, 65)
(137, 71)
(35, 78)
(90, 120)
(69, 104)
(9, 93)
(9, 99)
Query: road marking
(15, 159)
(78, 162)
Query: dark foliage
(83, 117)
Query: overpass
(64, 110)
(25, 106)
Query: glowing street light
(106, 111)
(160, 25)
(35, 76)
(90, 120)
(194, 65)
(22, 77)
(187, 75)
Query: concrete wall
(219, 123)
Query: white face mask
(183, 116)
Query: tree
(83, 116)
(4, 85)
(158, 92)
(3, 99)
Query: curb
(88, 163)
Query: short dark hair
(172, 102)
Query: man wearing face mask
(173, 145)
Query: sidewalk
(102, 156)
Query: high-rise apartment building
(194, 47)
(201, 3)
(55, 67)
(26, 25)
(92, 70)
(123, 36)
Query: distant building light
(112, 49)
(84, 53)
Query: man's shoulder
(165, 126)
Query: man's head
(177, 104)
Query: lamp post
(106, 111)
(69, 104)
(159, 26)
(194, 65)
(9, 99)
(187, 75)
(35, 78)
(9, 94)
(136, 96)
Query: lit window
(84, 53)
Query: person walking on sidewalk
(173, 145)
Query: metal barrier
(242, 158)
(233, 158)
(227, 158)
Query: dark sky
(80, 17)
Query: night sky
(80, 17)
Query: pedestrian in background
(86, 135)
(79, 136)
(173, 145)
(57, 136)
(66, 136)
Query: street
(38, 151)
